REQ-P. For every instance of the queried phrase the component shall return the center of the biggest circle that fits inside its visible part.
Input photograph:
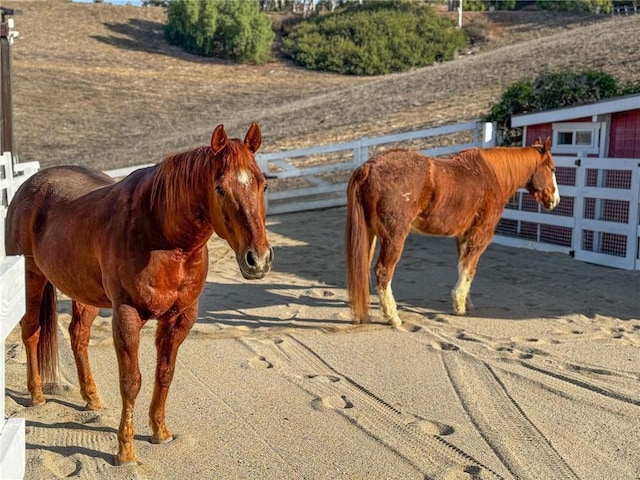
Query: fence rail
(325, 184)
(625, 10)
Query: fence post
(361, 152)
(488, 134)
(633, 243)
(12, 269)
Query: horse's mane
(511, 166)
(177, 177)
(185, 177)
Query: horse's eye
(265, 187)
(220, 191)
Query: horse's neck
(181, 211)
(513, 168)
(186, 234)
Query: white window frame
(573, 127)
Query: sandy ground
(541, 381)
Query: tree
(245, 31)
(374, 38)
(550, 90)
(234, 28)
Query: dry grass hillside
(98, 85)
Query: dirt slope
(98, 85)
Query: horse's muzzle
(254, 266)
(553, 202)
(548, 201)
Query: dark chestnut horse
(463, 197)
(138, 246)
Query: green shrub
(245, 31)
(234, 28)
(374, 38)
(593, 6)
(192, 25)
(483, 5)
(547, 91)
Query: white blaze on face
(556, 193)
(244, 178)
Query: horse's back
(392, 180)
(65, 182)
(46, 191)
(436, 196)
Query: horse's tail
(48, 340)
(357, 248)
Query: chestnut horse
(138, 246)
(400, 191)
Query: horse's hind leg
(390, 252)
(30, 328)
(470, 247)
(82, 316)
(461, 291)
(169, 336)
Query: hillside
(98, 85)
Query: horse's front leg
(170, 334)
(82, 316)
(390, 252)
(126, 338)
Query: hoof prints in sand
(420, 442)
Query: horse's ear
(547, 144)
(218, 139)
(537, 143)
(253, 139)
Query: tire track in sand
(476, 366)
(520, 445)
(420, 442)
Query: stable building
(596, 148)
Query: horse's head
(543, 186)
(237, 199)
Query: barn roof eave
(603, 107)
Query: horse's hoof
(161, 441)
(93, 406)
(125, 463)
(395, 322)
(36, 402)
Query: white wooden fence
(323, 184)
(12, 307)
